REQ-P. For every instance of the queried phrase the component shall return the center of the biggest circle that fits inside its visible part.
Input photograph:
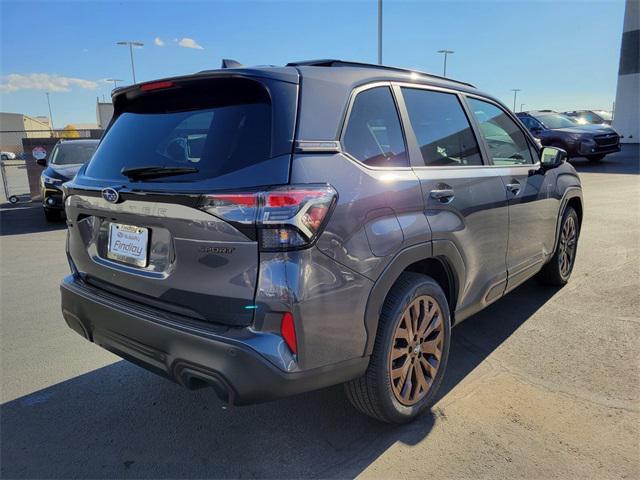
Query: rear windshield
(216, 130)
(72, 153)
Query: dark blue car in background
(557, 130)
(64, 162)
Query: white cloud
(159, 42)
(43, 81)
(190, 43)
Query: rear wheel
(5, 157)
(558, 270)
(410, 352)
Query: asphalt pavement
(544, 383)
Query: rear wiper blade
(154, 171)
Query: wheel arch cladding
(418, 259)
(439, 269)
(576, 204)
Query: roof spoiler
(229, 63)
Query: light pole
(515, 95)
(50, 115)
(131, 45)
(115, 82)
(522, 106)
(445, 52)
(379, 32)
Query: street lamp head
(133, 44)
(446, 51)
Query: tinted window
(529, 122)
(72, 153)
(441, 128)
(507, 143)
(219, 134)
(373, 134)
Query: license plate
(128, 244)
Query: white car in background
(7, 156)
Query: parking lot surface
(543, 384)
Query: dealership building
(626, 118)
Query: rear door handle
(445, 195)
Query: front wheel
(595, 158)
(558, 270)
(409, 355)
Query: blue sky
(561, 54)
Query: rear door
(465, 199)
(532, 207)
(147, 236)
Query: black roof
(327, 85)
(348, 63)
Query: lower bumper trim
(238, 374)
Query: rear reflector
(146, 87)
(288, 332)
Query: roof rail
(329, 62)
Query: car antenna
(229, 63)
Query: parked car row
(597, 117)
(554, 129)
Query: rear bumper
(191, 356)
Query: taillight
(285, 217)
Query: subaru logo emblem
(111, 195)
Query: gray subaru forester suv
(273, 230)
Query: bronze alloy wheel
(415, 355)
(568, 242)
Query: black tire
(595, 158)
(13, 199)
(553, 272)
(5, 157)
(52, 215)
(373, 394)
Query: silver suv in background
(273, 230)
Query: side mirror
(552, 157)
(42, 162)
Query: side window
(528, 122)
(507, 143)
(441, 128)
(373, 134)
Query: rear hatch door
(135, 226)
